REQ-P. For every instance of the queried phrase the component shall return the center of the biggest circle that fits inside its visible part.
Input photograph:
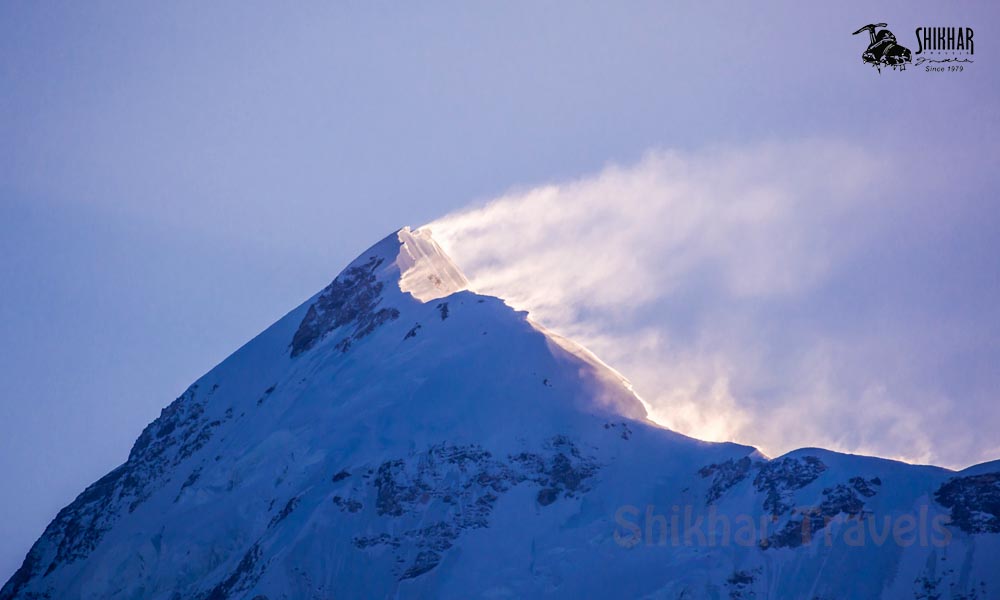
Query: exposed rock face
(778, 479)
(182, 430)
(725, 476)
(841, 499)
(776, 483)
(974, 502)
(427, 500)
(740, 584)
(351, 300)
(246, 574)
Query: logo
(945, 39)
(883, 51)
(939, 49)
(937, 45)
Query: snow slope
(399, 436)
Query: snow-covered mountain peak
(426, 271)
(398, 435)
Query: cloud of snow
(719, 282)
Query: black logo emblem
(883, 51)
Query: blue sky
(174, 179)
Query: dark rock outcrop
(724, 476)
(459, 485)
(779, 479)
(974, 502)
(352, 301)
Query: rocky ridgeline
(180, 431)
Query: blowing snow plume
(719, 283)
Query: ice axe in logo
(883, 51)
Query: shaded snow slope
(397, 436)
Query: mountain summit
(398, 435)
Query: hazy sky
(796, 242)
